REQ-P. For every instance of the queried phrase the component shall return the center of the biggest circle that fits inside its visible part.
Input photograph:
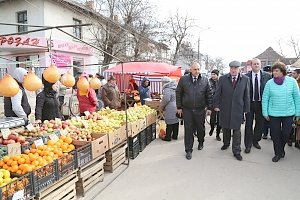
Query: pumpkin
(83, 85)
(51, 74)
(68, 80)
(32, 82)
(9, 86)
(95, 83)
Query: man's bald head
(195, 69)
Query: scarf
(279, 80)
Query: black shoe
(283, 154)
(247, 150)
(297, 144)
(224, 147)
(211, 132)
(218, 138)
(256, 145)
(264, 137)
(238, 157)
(200, 146)
(188, 155)
(276, 158)
(166, 139)
(174, 138)
(290, 143)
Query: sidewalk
(161, 172)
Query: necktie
(256, 90)
(195, 80)
(233, 82)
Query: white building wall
(8, 13)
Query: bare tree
(186, 53)
(295, 45)
(180, 27)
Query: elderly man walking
(193, 97)
(258, 80)
(231, 99)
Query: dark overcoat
(233, 102)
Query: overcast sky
(239, 29)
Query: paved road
(161, 172)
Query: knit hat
(215, 71)
(166, 79)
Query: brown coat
(111, 96)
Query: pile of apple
(14, 138)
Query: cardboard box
(143, 124)
(153, 104)
(99, 145)
(151, 118)
(135, 128)
(116, 137)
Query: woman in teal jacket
(280, 103)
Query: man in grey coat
(193, 96)
(232, 100)
(258, 80)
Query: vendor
(132, 85)
(110, 94)
(18, 105)
(144, 90)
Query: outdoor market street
(161, 172)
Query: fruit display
(3, 151)
(14, 138)
(5, 177)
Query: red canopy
(147, 68)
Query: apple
(12, 137)
(21, 139)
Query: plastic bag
(162, 130)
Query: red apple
(21, 139)
(12, 137)
(10, 141)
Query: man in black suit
(258, 80)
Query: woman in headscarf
(144, 90)
(18, 105)
(47, 103)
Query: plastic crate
(148, 135)
(153, 131)
(83, 155)
(133, 141)
(66, 164)
(44, 176)
(134, 152)
(142, 136)
(22, 183)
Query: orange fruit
(14, 163)
(1, 163)
(27, 151)
(16, 158)
(33, 150)
(14, 168)
(21, 161)
(6, 158)
(9, 162)
(5, 166)
(19, 171)
(68, 140)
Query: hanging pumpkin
(83, 85)
(9, 86)
(51, 74)
(95, 83)
(68, 80)
(32, 82)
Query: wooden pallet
(65, 189)
(115, 157)
(89, 175)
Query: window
(22, 19)
(77, 32)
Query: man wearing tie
(193, 96)
(231, 99)
(258, 80)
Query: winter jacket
(47, 107)
(144, 90)
(281, 100)
(193, 95)
(168, 103)
(18, 105)
(87, 102)
(111, 96)
(213, 85)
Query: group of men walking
(231, 99)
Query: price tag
(64, 132)
(87, 113)
(85, 124)
(30, 127)
(53, 137)
(78, 118)
(14, 149)
(38, 142)
(18, 195)
(5, 133)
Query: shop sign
(61, 60)
(21, 41)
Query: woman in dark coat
(47, 103)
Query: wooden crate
(115, 157)
(89, 175)
(64, 189)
